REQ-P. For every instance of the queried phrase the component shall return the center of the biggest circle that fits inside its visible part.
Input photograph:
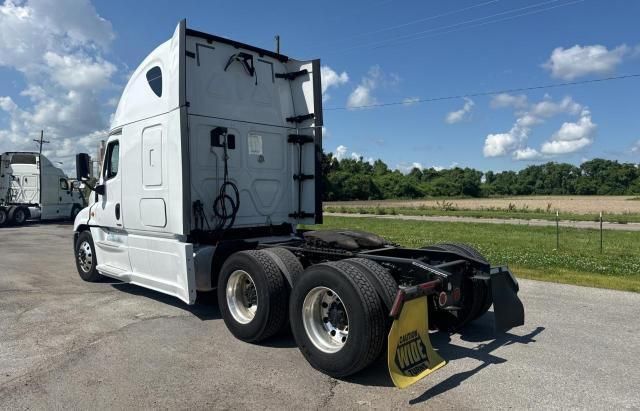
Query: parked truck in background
(31, 187)
(212, 164)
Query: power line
(412, 36)
(489, 93)
(484, 23)
(409, 23)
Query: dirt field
(567, 204)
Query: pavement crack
(333, 383)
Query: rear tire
(291, 263)
(379, 277)
(460, 248)
(337, 318)
(86, 262)
(18, 215)
(4, 217)
(252, 296)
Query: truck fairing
(193, 84)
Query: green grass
(496, 213)
(530, 251)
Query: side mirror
(100, 189)
(83, 166)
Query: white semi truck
(31, 187)
(212, 164)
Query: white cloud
(341, 152)
(362, 95)
(409, 101)
(462, 114)
(7, 104)
(497, 145)
(526, 153)
(405, 168)
(331, 79)
(579, 61)
(77, 72)
(509, 100)
(514, 142)
(358, 156)
(29, 29)
(636, 147)
(58, 47)
(549, 108)
(571, 137)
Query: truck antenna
(41, 141)
(277, 43)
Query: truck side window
(154, 77)
(64, 184)
(112, 161)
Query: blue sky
(77, 61)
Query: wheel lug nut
(333, 333)
(325, 319)
(325, 305)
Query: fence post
(601, 232)
(557, 230)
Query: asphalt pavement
(67, 344)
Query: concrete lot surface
(69, 344)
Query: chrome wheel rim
(242, 298)
(85, 257)
(325, 319)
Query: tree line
(355, 179)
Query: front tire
(337, 318)
(252, 295)
(86, 262)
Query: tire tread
(371, 303)
(278, 298)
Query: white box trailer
(212, 162)
(31, 187)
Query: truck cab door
(109, 234)
(64, 197)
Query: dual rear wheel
(14, 215)
(336, 312)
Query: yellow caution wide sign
(410, 356)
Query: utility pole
(41, 141)
(277, 38)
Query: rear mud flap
(507, 307)
(410, 356)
